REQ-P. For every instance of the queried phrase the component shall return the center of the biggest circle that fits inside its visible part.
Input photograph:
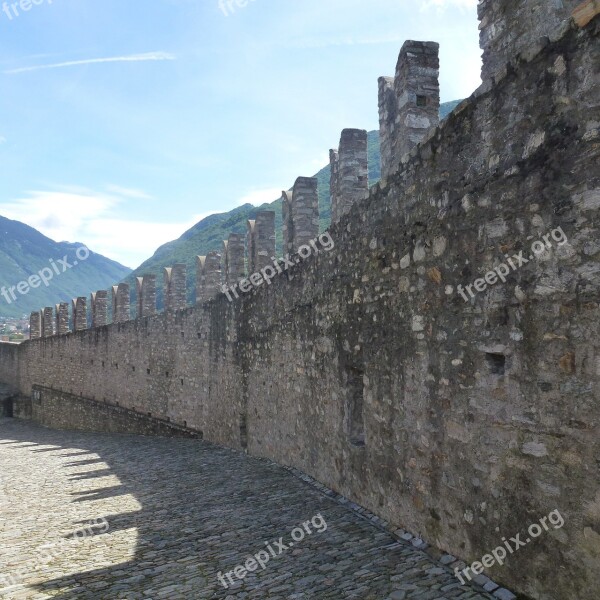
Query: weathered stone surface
(508, 28)
(146, 295)
(175, 287)
(288, 222)
(251, 258)
(79, 310)
(35, 325)
(409, 103)
(47, 322)
(62, 318)
(99, 308)
(208, 273)
(349, 172)
(264, 240)
(305, 211)
(121, 303)
(233, 262)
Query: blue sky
(123, 123)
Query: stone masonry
(48, 322)
(62, 318)
(79, 307)
(409, 104)
(508, 27)
(264, 240)
(175, 287)
(463, 418)
(305, 211)
(130, 517)
(121, 303)
(99, 308)
(349, 172)
(146, 295)
(288, 222)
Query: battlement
(409, 115)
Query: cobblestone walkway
(115, 517)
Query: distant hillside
(24, 252)
(209, 233)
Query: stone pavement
(116, 517)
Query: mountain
(209, 233)
(70, 270)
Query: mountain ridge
(28, 259)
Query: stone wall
(512, 26)
(59, 410)
(464, 421)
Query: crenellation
(35, 325)
(62, 318)
(175, 287)
(349, 172)
(334, 184)
(409, 103)
(48, 322)
(288, 221)
(79, 308)
(121, 303)
(305, 211)
(251, 259)
(146, 295)
(234, 259)
(208, 275)
(388, 112)
(264, 240)
(99, 308)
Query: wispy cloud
(2, 139)
(152, 56)
(91, 217)
(347, 41)
(128, 192)
(443, 4)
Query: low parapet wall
(59, 410)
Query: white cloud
(443, 4)
(128, 192)
(79, 215)
(153, 56)
(2, 139)
(258, 197)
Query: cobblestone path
(115, 517)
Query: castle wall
(463, 420)
(509, 27)
(179, 365)
(59, 410)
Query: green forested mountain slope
(24, 252)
